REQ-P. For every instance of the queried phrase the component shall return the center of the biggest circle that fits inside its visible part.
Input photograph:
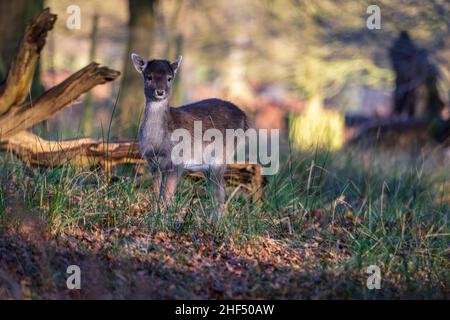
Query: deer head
(158, 76)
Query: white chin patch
(158, 104)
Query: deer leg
(156, 189)
(169, 186)
(216, 183)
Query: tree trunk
(12, 20)
(14, 16)
(88, 112)
(131, 100)
(16, 87)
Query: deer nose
(160, 93)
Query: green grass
(373, 206)
(2, 202)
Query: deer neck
(156, 108)
(155, 127)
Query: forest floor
(325, 219)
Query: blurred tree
(12, 19)
(318, 49)
(142, 16)
(282, 38)
(404, 55)
(14, 16)
(414, 75)
(177, 96)
(174, 47)
(88, 112)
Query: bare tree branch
(20, 117)
(20, 75)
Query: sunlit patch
(317, 128)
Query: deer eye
(149, 78)
(169, 79)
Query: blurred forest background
(311, 68)
(275, 59)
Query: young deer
(160, 120)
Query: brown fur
(161, 120)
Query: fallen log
(84, 153)
(89, 153)
(17, 115)
(400, 133)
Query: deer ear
(176, 64)
(138, 62)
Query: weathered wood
(245, 175)
(88, 153)
(18, 82)
(20, 117)
(84, 152)
(16, 116)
